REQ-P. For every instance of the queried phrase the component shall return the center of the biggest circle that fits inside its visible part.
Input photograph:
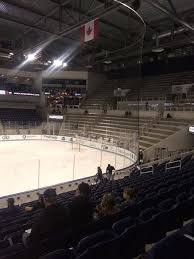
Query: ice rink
(22, 160)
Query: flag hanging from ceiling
(90, 30)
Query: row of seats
(11, 117)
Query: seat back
(122, 224)
(94, 239)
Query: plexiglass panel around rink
(33, 161)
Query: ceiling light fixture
(89, 66)
(107, 62)
(31, 57)
(157, 50)
(11, 53)
(57, 63)
(64, 64)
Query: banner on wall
(121, 92)
(181, 89)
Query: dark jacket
(127, 204)
(37, 206)
(80, 210)
(10, 211)
(99, 175)
(51, 220)
(109, 169)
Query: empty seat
(172, 213)
(121, 225)
(174, 246)
(94, 239)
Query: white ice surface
(19, 162)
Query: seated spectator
(38, 205)
(80, 209)
(53, 219)
(107, 206)
(147, 106)
(126, 114)
(168, 116)
(129, 196)
(11, 207)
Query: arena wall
(66, 75)
(95, 80)
(13, 72)
(180, 140)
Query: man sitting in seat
(81, 209)
(38, 205)
(168, 116)
(11, 209)
(53, 219)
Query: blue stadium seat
(152, 222)
(103, 250)
(59, 254)
(101, 236)
(121, 225)
(131, 242)
(175, 246)
(173, 217)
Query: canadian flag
(90, 30)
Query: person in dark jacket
(38, 205)
(109, 171)
(52, 219)
(81, 209)
(99, 175)
(11, 209)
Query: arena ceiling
(53, 26)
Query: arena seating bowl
(146, 222)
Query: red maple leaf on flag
(89, 30)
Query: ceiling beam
(29, 27)
(50, 13)
(172, 6)
(79, 11)
(38, 13)
(75, 27)
(126, 13)
(169, 14)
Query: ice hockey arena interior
(96, 129)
